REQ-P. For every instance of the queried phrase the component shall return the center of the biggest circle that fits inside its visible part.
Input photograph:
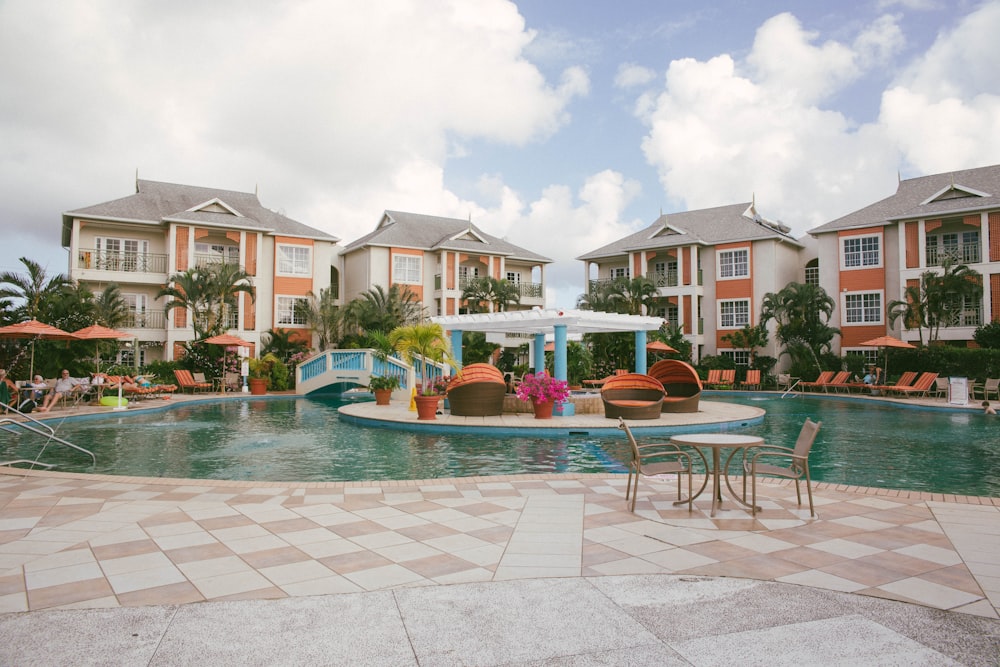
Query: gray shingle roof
(155, 202)
(708, 226)
(429, 232)
(907, 203)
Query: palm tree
(30, 294)
(279, 343)
(423, 341)
(912, 308)
(802, 312)
(748, 338)
(110, 308)
(323, 317)
(634, 296)
(490, 294)
(937, 299)
(385, 310)
(598, 299)
(209, 293)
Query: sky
(560, 125)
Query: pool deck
(517, 569)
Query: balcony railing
(664, 278)
(966, 317)
(966, 253)
(524, 289)
(131, 262)
(209, 259)
(151, 319)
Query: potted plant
(424, 344)
(383, 386)
(429, 396)
(260, 372)
(543, 391)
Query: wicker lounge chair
(681, 385)
(477, 391)
(632, 396)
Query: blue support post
(456, 346)
(539, 353)
(640, 352)
(559, 368)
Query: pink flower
(542, 388)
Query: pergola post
(539, 364)
(640, 351)
(559, 366)
(456, 346)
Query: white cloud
(630, 75)
(723, 131)
(944, 110)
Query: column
(640, 352)
(559, 368)
(539, 364)
(456, 346)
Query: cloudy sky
(558, 124)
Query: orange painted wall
(994, 237)
(251, 254)
(854, 336)
(688, 270)
(995, 290)
(912, 245)
(688, 315)
(636, 264)
(249, 313)
(182, 248)
(741, 288)
(200, 233)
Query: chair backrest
(941, 384)
(714, 375)
(925, 381)
(631, 438)
(728, 376)
(991, 384)
(906, 379)
(784, 379)
(824, 377)
(199, 377)
(675, 371)
(184, 378)
(476, 373)
(753, 376)
(841, 378)
(807, 436)
(632, 381)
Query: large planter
(543, 410)
(258, 386)
(426, 407)
(382, 396)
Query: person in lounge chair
(65, 386)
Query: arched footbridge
(336, 371)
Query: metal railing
(32, 425)
(210, 259)
(664, 278)
(129, 262)
(965, 253)
(965, 317)
(150, 319)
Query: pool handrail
(43, 430)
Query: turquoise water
(860, 443)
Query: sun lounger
(924, 384)
(824, 378)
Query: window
(290, 310)
(514, 277)
(734, 314)
(294, 260)
(406, 269)
(620, 272)
(734, 263)
(861, 251)
(121, 254)
(739, 357)
(863, 308)
(960, 248)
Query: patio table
(717, 442)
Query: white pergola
(556, 321)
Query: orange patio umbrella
(884, 342)
(35, 330)
(659, 346)
(226, 340)
(97, 332)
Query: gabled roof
(428, 232)
(156, 203)
(707, 226)
(939, 195)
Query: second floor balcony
(129, 262)
(964, 253)
(150, 319)
(525, 290)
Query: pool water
(861, 443)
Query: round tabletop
(716, 440)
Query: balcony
(966, 317)
(129, 262)
(965, 253)
(524, 290)
(152, 319)
(664, 278)
(209, 259)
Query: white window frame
(226, 253)
(865, 308)
(293, 260)
(737, 322)
(863, 254)
(514, 277)
(739, 357)
(407, 269)
(284, 310)
(733, 267)
(620, 272)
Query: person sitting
(38, 388)
(65, 386)
(8, 391)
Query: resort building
(712, 267)
(140, 241)
(437, 258)
(867, 259)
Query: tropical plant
(384, 310)
(29, 295)
(988, 335)
(542, 388)
(383, 382)
(673, 335)
(635, 296)
(748, 338)
(802, 311)
(110, 307)
(579, 363)
(280, 343)
(272, 369)
(436, 386)
(209, 294)
(323, 317)
(488, 294)
(598, 298)
(475, 347)
(425, 341)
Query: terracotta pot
(426, 407)
(258, 386)
(382, 396)
(543, 410)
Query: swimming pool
(861, 443)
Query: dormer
(215, 206)
(954, 191)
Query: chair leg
(809, 492)
(753, 494)
(798, 494)
(628, 485)
(635, 490)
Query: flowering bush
(541, 388)
(436, 386)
